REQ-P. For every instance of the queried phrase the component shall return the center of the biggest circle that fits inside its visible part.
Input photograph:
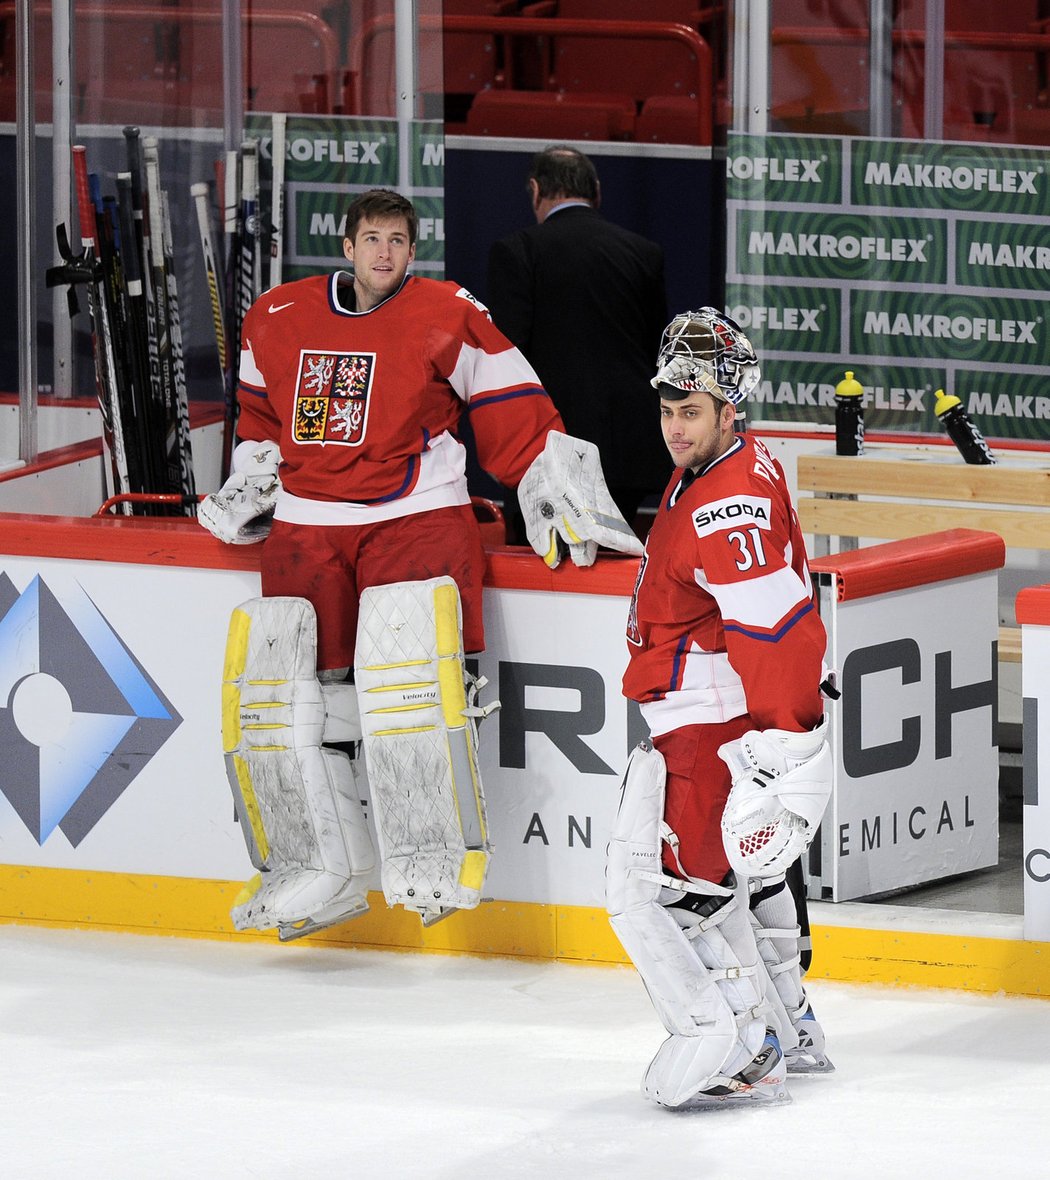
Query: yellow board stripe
(191, 907)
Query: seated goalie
(351, 473)
(726, 651)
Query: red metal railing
(510, 26)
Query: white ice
(129, 1057)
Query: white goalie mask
(706, 350)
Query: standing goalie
(726, 651)
(351, 471)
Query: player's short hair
(381, 204)
(706, 351)
(563, 171)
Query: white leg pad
(298, 804)
(704, 974)
(421, 747)
(774, 918)
(775, 922)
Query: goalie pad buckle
(566, 504)
(419, 731)
(297, 802)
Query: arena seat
(552, 115)
(669, 119)
(451, 63)
(640, 69)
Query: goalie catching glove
(567, 507)
(241, 511)
(781, 785)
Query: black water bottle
(961, 429)
(849, 416)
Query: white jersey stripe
(477, 369)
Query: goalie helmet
(706, 350)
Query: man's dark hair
(380, 204)
(562, 171)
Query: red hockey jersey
(366, 405)
(723, 620)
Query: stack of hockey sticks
(126, 263)
(235, 276)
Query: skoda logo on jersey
(735, 510)
(79, 716)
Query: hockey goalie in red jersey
(726, 662)
(351, 472)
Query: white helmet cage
(706, 350)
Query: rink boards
(115, 811)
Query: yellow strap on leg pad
(298, 803)
(421, 747)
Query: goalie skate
(762, 1080)
(809, 1056)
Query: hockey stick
(255, 224)
(277, 152)
(168, 402)
(199, 192)
(250, 259)
(131, 298)
(102, 333)
(228, 178)
(796, 883)
(112, 293)
(189, 490)
(233, 231)
(157, 339)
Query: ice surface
(125, 1056)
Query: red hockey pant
(330, 565)
(698, 785)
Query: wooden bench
(892, 493)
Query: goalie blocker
(298, 801)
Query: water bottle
(849, 416)
(961, 429)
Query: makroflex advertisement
(919, 266)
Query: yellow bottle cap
(849, 387)
(945, 401)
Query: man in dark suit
(584, 301)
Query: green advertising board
(919, 266)
(331, 158)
